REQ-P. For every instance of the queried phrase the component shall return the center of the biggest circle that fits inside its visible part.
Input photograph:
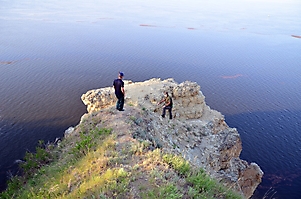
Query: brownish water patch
(6, 62)
(105, 18)
(232, 77)
(147, 25)
(275, 180)
(297, 36)
(191, 28)
(12, 62)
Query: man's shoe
(120, 109)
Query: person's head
(120, 75)
(166, 93)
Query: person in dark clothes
(118, 85)
(168, 105)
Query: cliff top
(197, 132)
(137, 154)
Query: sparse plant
(174, 146)
(116, 182)
(155, 155)
(95, 121)
(34, 161)
(181, 165)
(202, 186)
(201, 181)
(133, 118)
(14, 184)
(115, 160)
(88, 140)
(83, 146)
(269, 193)
(169, 191)
(135, 167)
(139, 147)
(156, 142)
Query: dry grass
(101, 159)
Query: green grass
(202, 186)
(94, 164)
(169, 191)
(178, 163)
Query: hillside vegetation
(102, 158)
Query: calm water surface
(242, 53)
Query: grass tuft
(178, 163)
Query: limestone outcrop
(197, 132)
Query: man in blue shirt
(119, 91)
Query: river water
(246, 55)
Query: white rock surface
(197, 132)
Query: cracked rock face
(197, 132)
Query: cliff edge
(197, 133)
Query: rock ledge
(197, 132)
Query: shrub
(88, 141)
(169, 191)
(202, 186)
(34, 161)
(178, 163)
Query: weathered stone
(198, 133)
(69, 131)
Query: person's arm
(122, 90)
(161, 101)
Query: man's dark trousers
(164, 111)
(120, 102)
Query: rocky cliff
(197, 133)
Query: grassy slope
(102, 160)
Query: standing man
(119, 91)
(168, 105)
